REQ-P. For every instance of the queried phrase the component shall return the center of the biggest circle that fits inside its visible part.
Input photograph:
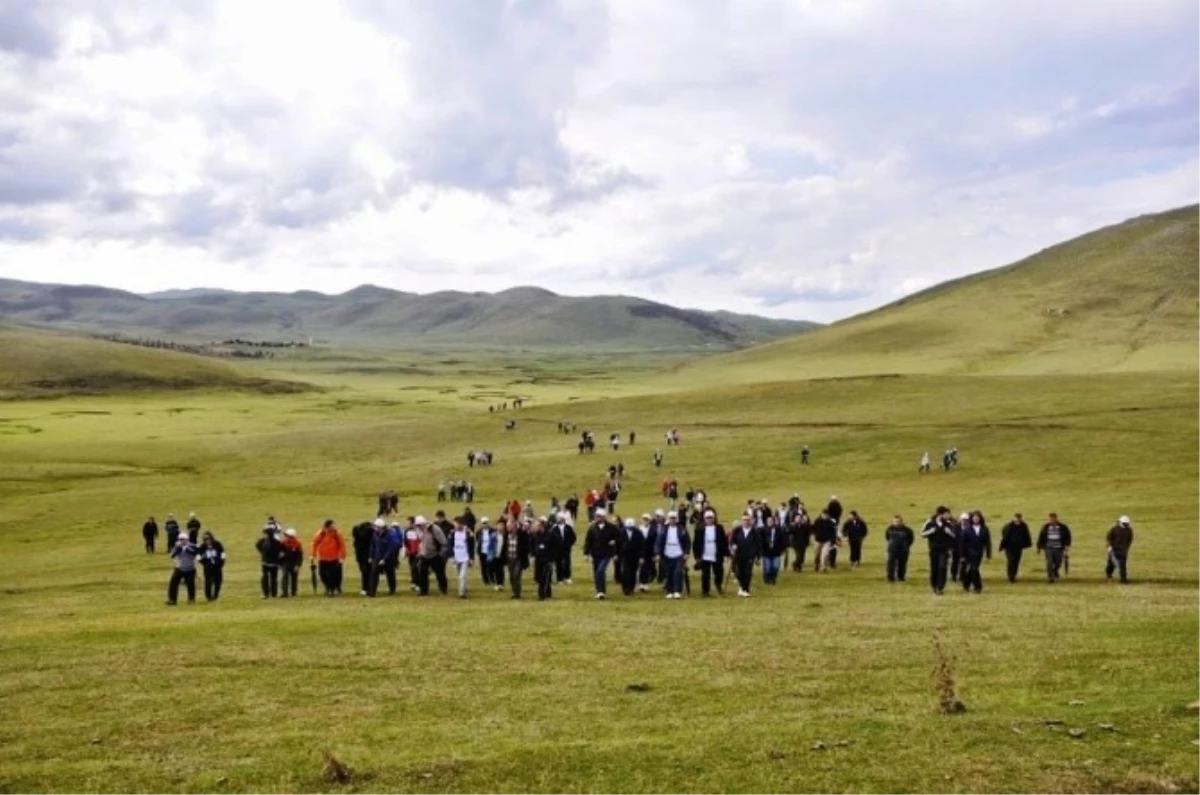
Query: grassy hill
(37, 362)
(370, 315)
(1123, 298)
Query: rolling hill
(1123, 298)
(370, 315)
(35, 362)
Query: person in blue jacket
(385, 556)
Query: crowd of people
(657, 551)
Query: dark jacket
(774, 541)
(568, 537)
(193, 528)
(385, 546)
(270, 550)
(800, 532)
(1046, 539)
(603, 540)
(974, 546)
(834, 509)
(940, 535)
(212, 555)
(722, 542)
(547, 545)
(685, 541)
(1120, 538)
(633, 543)
(855, 529)
(514, 547)
(899, 539)
(824, 530)
(150, 529)
(364, 536)
(468, 517)
(651, 540)
(171, 528)
(1015, 536)
(746, 543)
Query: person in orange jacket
(329, 553)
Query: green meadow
(106, 689)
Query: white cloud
(806, 159)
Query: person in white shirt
(462, 545)
(671, 550)
(710, 550)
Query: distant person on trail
(1120, 539)
(946, 461)
(171, 527)
(600, 545)
(899, 538)
(291, 561)
(185, 554)
(150, 534)
(632, 437)
(212, 558)
(328, 555)
(940, 533)
(974, 543)
(1054, 541)
(774, 543)
(834, 509)
(855, 530)
(924, 463)
(441, 492)
(658, 458)
(1015, 538)
(270, 551)
(193, 528)
(804, 453)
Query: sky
(806, 159)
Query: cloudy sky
(797, 158)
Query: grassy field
(106, 689)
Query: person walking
(855, 530)
(185, 553)
(899, 538)
(432, 556)
(384, 558)
(1120, 539)
(328, 554)
(746, 546)
(487, 548)
(925, 464)
(774, 542)
(1015, 538)
(711, 548)
(647, 571)
(212, 560)
(363, 536)
(515, 552)
(565, 528)
(546, 543)
(632, 547)
(974, 543)
(940, 532)
(270, 551)
(825, 531)
(801, 537)
(600, 545)
(1054, 541)
(462, 543)
(193, 528)
(171, 529)
(291, 560)
(964, 522)
(150, 535)
(671, 550)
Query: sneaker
(170, 603)
(362, 593)
(601, 596)
(567, 582)
(670, 596)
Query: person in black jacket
(600, 546)
(1054, 541)
(566, 532)
(270, 551)
(899, 538)
(774, 542)
(974, 543)
(648, 572)
(363, 535)
(150, 534)
(546, 545)
(964, 521)
(801, 537)
(193, 528)
(514, 551)
(825, 532)
(1015, 538)
(633, 546)
(212, 559)
(746, 546)
(711, 548)
(940, 533)
(855, 530)
(834, 509)
(171, 528)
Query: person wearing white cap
(487, 547)
(432, 556)
(964, 524)
(600, 546)
(185, 554)
(462, 545)
(711, 549)
(1120, 539)
(385, 557)
(671, 549)
(270, 550)
(412, 551)
(291, 561)
(630, 557)
(647, 572)
(565, 527)
(193, 528)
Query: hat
(192, 515)
(484, 520)
(964, 515)
(645, 516)
(1123, 520)
(379, 522)
(290, 532)
(601, 512)
(420, 520)
(630, 523)
(658, 512)
(672, 515)
(833, 496)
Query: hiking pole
(1066, 562)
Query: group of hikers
(949, 461)
(457, 490)
(659, 551)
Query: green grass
(105, 689)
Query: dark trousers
(939, 559)
(1014, 563)
(543, 572)
(388, 571)
(647, 573)
(710, 571)
(897, 565)
(270, 581)
(188, 578)
(744, 568)
(497, 567)
(969, 573)
(515, 570)
(291, 580)
(800, 550)
(673, 573)
(600, 573)
(855, 551)
(213, 577)
(563, 570)
(330, 572)
(364, 574)
(1054, 562)
(435, 566)
(955, 564)
(413, 573)
(628, 574)
(485, 571)
(1117, 561)
(439, 571)
(149, 538)
(833, 556)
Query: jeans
(543, 572)
(939, 560)
(1117, 561)
(969, 573)
(674, 574)
(710, 570)
(188, 578)
(897, 565)
(600, 574)
(291, 580)
(463, 569)
(1054, 560)
(771, 566)
(515, 570)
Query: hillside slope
(377, 316)
(34, 363)
(1123, 298)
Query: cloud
(798, 159)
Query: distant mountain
(1122, 298)
(522, 316)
